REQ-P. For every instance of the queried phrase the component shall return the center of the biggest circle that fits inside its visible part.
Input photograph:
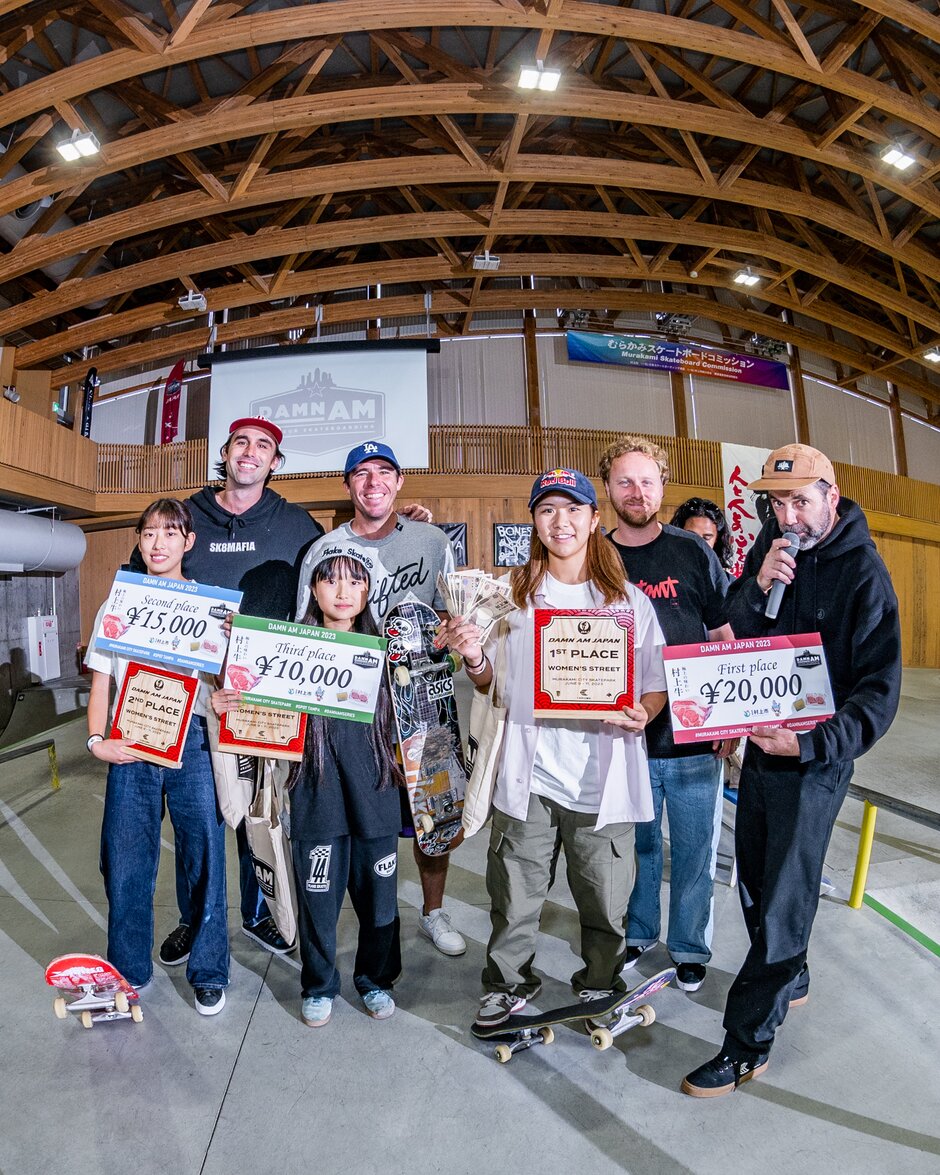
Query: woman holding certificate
(582, 783)
(134, 798)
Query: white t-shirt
(104, 661)
(567, 765)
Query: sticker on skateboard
(605, 1018)
(422, 691)
(103, 992)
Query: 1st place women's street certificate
(301, 667)
(173, 621)
(725, 689)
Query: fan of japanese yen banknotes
(477, 597)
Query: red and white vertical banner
(741, 464)
(170, 416)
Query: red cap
(256, 422)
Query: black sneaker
(690, 976)
(175, 947)
(209, 1000)
(722, 1074)
(632, 956)
(266, 934)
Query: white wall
(922, 445)
(720, 410)
(478, 381)
(848, 428)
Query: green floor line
(901, 924)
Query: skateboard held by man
(104, 992)
(421, 678)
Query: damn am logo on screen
(318, 416)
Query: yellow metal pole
(866, 836)
(53, 768)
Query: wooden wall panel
(107, 550)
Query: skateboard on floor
(105, 993)
(421, 678)
(612, 1016)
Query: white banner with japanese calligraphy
(741, 464)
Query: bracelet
(474, 669)
(91, 740)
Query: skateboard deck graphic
(103, 992)
(621, 1011)
(422, 691)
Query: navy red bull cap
(563, 481)
(369, 451)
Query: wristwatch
(92, 739)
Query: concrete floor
(853, 1087)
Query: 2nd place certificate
(305, 668)
(175, 622)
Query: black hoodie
(258, 553)
(842, 590)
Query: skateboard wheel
(454, 661)
(647, 1014)
(601, 1038)
(60, 1007)
(547, 1034)
(137, 1013)
(120, 1001)
(503, 1053)
(87, 1020)
(425, 823)
(402, 676)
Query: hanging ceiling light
(744, 277)
(895, 154)
(537, 77)
(80, 144)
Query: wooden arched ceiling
(278, 156)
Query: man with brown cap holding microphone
(817, 548)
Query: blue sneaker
(316, 1010)
(379, 1004)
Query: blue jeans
(254, 909)
(689, 789)
(130, 855)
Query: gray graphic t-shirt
(403, 566)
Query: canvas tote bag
(270, 847)
(235, 776)
(487, 724)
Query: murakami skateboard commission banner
(727, 688)
(302, 667)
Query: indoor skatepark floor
(853, 1084)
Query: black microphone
(775, 595)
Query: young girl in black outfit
(345, 819)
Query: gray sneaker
(497, 1006)
(608, 1019)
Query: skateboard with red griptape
(104, 992)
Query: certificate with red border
(153, 711)
(583, 662)
(263, 731)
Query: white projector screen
(326, 399)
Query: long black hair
(382, 730)
(704, 508)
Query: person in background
(706, 519)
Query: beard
(809, 535)
(635, 516)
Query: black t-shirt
(685, 583)
(344, 800)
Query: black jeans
(323, 871)
(786, 812)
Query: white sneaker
(607, 1019)
(497, 1006)
(436, 926)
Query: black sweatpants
(785, 815)
(324, 871)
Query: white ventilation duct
(30, 542)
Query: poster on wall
(689, 358)
(326, 399)
(744, 510)
(511, 541)
(457, 533)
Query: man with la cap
(407, 557)
(792, 785)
